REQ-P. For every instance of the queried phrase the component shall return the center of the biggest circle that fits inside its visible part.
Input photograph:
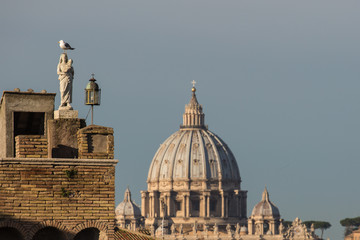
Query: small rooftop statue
(66, 76)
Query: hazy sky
(278, 80)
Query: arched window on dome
(266, 227)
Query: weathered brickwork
(31, 146)
(49, 188)
(96, 142)
(66, 191)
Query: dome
(194, 153)
(265, 208)
(194, 177)
(127, 207)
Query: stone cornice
(59, 161)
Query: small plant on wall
(71, 173)
(66, 193)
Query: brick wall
(67, 191)
(96, 142)
(31, 146)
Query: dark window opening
(213, 203)
(178, 205)
(266, 227)
(10, 233)
(195, 205)
(49, 233)
(88, 234)
(29, 123)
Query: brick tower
(57, 176)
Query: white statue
(181, 229)
(172, 229)
(66, 76)
(206, 229)
(194, 228)
(257, 229)
(152, 230)
(228, 229)
(281, 228)
(237, 230)
(216, 229)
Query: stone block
(64, 113)
(62, 137)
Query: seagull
(65, 46)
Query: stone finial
(265, 195)
(17, 90)
(30, 90)
(127, 195)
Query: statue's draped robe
(66, 75)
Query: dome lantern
(193, 116)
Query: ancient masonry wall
(71, 194)
(96, 142)
(31, 146)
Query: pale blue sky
(278, 80)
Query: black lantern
(92, 95)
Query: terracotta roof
(125, 234)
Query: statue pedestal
(65, 113)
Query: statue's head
(63, 58)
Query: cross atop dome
(193, 88)
(193, 83)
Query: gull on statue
(65, 46)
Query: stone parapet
(96, 142)
(31, 146)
